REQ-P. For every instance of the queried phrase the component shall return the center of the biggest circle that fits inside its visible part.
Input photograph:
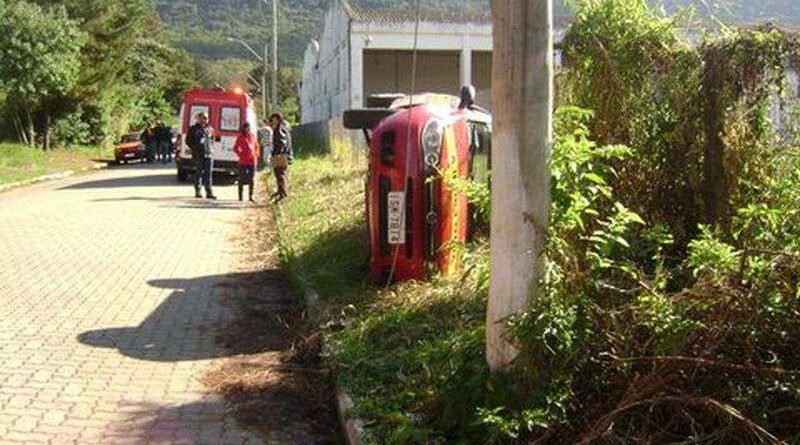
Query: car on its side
(130, 148)
(414, 216)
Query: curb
(352, 428)
(51, 177)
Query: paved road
(108, 309)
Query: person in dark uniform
(164, 138)
(200, 141)
(281, 154)
(148, 138)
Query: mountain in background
(203, 26)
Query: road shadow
(145, 180)
(202, 422)
(144, 198)
(148, 180)
(184, 326)
(206, 422)
(187, 201)
(211, 205)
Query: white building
(366, 51)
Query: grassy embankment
(397, 350)
(20, 162)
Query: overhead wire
(408, 180)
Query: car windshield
(129, 138)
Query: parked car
(130, 148)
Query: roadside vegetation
(322, 228)
(20, 163)
(67, 80)
(671, 311)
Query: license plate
(396, 219)
(130, 155)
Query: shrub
(71, 131)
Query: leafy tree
(131, 73)
(39, 48)
(288, 88)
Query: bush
(71, 131)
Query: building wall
(324, 91)
(330, 137)
(389, 71)
(384, 48)
(482, 70)
(354, 59)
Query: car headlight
(431, 145)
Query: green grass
(21, 162)
(411, 355)
(322, 228)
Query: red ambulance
(227, 111)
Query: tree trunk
(31, 129)
(47, 125)
(522, 99)
(23, 137)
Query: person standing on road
(246, 148)
(264, 141)
(281, 154)
(200, 141)
(164, 137)
(148, 138)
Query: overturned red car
(414, 217)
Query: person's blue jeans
(203, 168)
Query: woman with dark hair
(246, 148)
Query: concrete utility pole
(274, 79)
(275, 53)
(522, 99)
(264, 105)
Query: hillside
(201, 26)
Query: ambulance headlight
(432, 145)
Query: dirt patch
(274, 383)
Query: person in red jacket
(246, 148)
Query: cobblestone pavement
(108, 304)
